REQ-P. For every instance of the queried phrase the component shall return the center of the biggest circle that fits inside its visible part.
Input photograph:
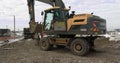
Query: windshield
(53, 16)
(60, 15)
(49, 18)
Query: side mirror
(42, 13)
(69, 7)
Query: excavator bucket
(36, 27)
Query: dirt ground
(25, 51)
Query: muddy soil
(25, 51)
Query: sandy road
(25, 51)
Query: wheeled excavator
(75, 31)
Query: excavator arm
(58, 3)
(31, 9)
(32, 23)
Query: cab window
(49, 18)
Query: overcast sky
(107, 9)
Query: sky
(107, 9)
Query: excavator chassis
(78, 45)
(59, 28)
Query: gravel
(25, 51)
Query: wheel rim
(44, 44)
(77, 47)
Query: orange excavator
(75, 31)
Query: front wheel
(44, 44)
(79, 47)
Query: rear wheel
(45, 44)
(79, 47)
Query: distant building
(114, 35)
(118, 30)
(5, 35)
(5, 32)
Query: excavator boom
(31, 10)
(58, 3)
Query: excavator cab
(55, 19)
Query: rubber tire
(46, 41)
(84, 47)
